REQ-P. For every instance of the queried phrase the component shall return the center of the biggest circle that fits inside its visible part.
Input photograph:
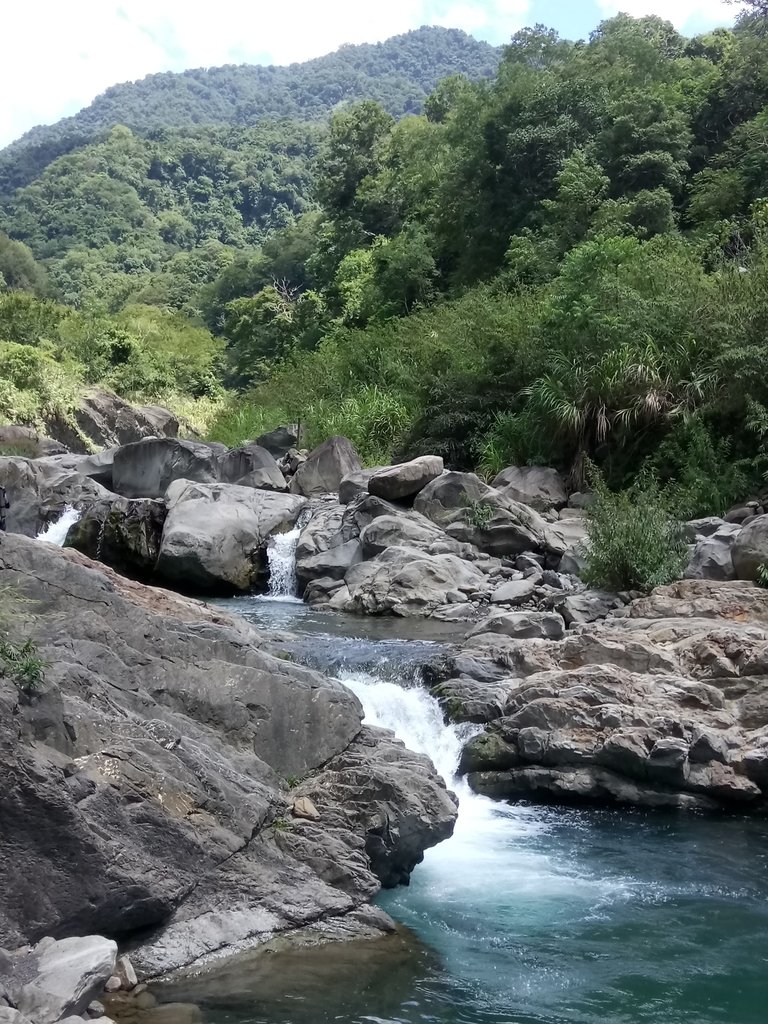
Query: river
(528, 915)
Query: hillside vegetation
(564, 264)
(399, 73)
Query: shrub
(635, 543)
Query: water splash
(56, 532)
(281, 558)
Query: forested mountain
(566, 263)
(109, 217)
(399, 74)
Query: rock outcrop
(146, 469)
(539, 488)
(147, 781)
(749, 549)
(394, 483)
(665, 703)
(123, 533)
(325, 468)
(214, 535)
(39, 490)
(103, 420)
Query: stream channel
(528, 915)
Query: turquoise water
(527, 915)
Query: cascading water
(281, 558)
(56, 533)
(529, 914)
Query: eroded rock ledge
(665, 703)
(147, 786)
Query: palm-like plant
(586, 399)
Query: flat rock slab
(59, 978)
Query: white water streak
(56, 533)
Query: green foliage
(479, 513)
(24, 664)
(374, 420)
(635, 543)
(241, 419)
(762, 575)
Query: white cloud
(59, 54)
(680, 12)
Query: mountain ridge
(399, 72)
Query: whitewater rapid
(56, 533)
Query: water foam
(56, 532)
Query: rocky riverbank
(169, 782)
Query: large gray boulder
(147, 789)
(470, 511)
(97, 466)
(278, 442)
(251, 466)
(146, 469)
(711, 558)
(39, 491)
(124, 533)
(103, 420)
(356, 483)
(325, 468)
(59, 978)
(749, 550)
(27, 442)
(215, 534)
(523, 625)
(536, 486)
(408, 582)
(405, 480)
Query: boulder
(39, 491)
(394, 483)
(325, 468)
(749, 550)
(469, 511)
(588, 606)
(523, 625)
(97, 466)
(278, 442)
(711, 556)
(104, 420)
(251, 466)
(124, 533)
(146, 469)
(407, 582)
(514, 592)
(145, 791)
(27, 443)
(539, 488)
(355, 483)
(214, 535)
(695, 529)
(59, 978)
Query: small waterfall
(56, 532)
(281, 558)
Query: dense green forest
(399, 74)
(566, 263)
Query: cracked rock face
(666, 706)
(146, 784)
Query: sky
(59, 54)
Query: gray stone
(251, 466)
(523, 625)
(711, 557)
(126, 974)
(355, 483)
(749, 550)
(146, 469)
(124, 533)
(27, 443)
(106, 421)
(278, 442)
(39, 491)
(325, 468)
(331, 563)
(535, 486)
(588, 606)
(214, 534)
(514, 592)
(157, 752)
(471, 512)
(581, 499)
(60, 978)
(694, 529)
(406, 479)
